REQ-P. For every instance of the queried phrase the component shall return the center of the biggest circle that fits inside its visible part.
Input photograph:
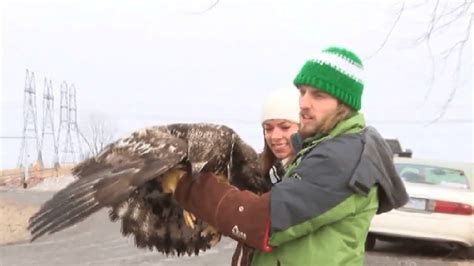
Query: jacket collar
(353, 124)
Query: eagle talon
(170, 180)
(189, 219)
(211, 231)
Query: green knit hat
(336, 71)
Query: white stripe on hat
(342, 64)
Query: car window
(434, 175)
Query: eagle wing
(245, 170)
(109, 178)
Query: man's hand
(242, 215)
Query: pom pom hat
(336, 71)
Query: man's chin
(307, 131)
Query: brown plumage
(127, 176)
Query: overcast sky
(142, 63)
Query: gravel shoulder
(14, 221)
(17, 205)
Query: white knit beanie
(282, 104)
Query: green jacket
(321, 212)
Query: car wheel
(370, 242)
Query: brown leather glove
(242, 215)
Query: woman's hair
(267, 159)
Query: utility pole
(48, 122)
(73, 127)
(69, 133)
(64, 137)
(30, 129)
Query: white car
(440, 207)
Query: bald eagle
(135, 177)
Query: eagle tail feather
(78, 201)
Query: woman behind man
(280, 120)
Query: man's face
(315, 107)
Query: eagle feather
(126, 177)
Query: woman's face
(278, 136)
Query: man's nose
(304, 101)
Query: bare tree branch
(434, 18)
(462, 46)
(205, 10)
(445, 54)
(432, 72)
(455, 17)
(99, 132)
(443, 15)
(464, 6)
(394, 24)
(427, 37)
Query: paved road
(97, 241)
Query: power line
(15, 137)
(422, 122)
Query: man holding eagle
(340, 178)
(342, 174)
